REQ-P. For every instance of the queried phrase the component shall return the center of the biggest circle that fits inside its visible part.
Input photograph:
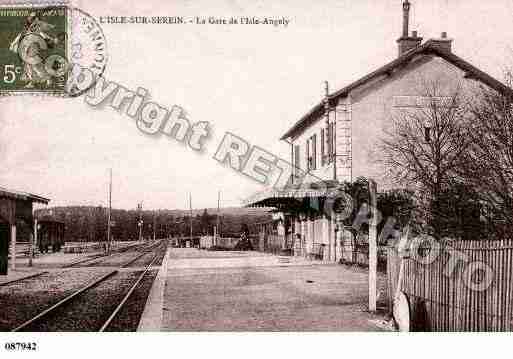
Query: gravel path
(251, 297)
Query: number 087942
(20, 346)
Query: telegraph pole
(33, 242)
(109, 218)
(154, 224)
(190, 207)
(140, 223)
(218, 231)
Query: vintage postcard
(240, 166)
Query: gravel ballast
(22, 300)
(89, 310)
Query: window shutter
(323, 152)
(314, 151)
(331, 142)
(307, 154)
(333, 148)
(328, 140)
(297, 164)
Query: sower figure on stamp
(35, 73)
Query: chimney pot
(407, 42)
(406, 18)
(443, 43)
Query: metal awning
(290, 197)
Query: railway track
(125, 298)
(99, 258)
(147, 251)
(65, 311)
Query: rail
(132, 289)
(92, 284)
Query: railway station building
(15, 208)
(335, 141)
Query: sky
(252, 80)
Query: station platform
(152, 316)
(19, 274)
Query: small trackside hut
(50, 235)
(15, 209)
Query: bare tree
(488, 161)
(424, 146)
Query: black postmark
(88, 53)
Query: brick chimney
(406, 42)
(443, 43)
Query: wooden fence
(443, 300)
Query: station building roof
(430, 47)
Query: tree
(424, 147)
(99, 224)
(488, 161)
(205, 220)
(85, 223)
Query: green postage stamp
(33, 49)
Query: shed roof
(24, 196)
(428, 48)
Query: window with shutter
(314, 151)
(331, 143)
(297, 164)
(328, 142)
(308, 154)
(323, 152)
(333, 148)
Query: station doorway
(4, 246)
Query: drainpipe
(333, 135)
(291, 181)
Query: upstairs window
(330, 142)
(313, 139)
(308, 158)
(297, 163)
(323, 148)
(311, 152)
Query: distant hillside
(222, 211)
(89, 223)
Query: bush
(243, 245)
(219, 248)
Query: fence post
(373, 245)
